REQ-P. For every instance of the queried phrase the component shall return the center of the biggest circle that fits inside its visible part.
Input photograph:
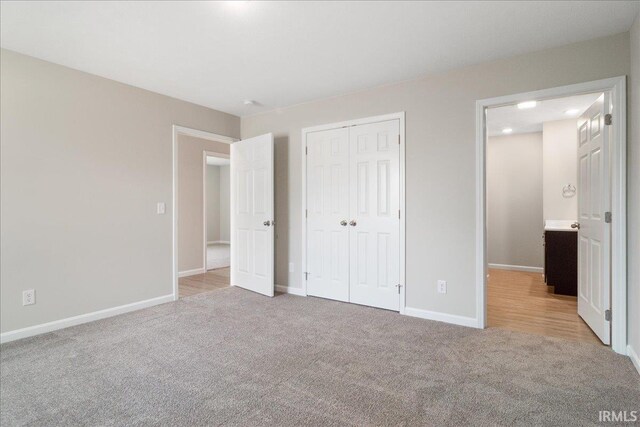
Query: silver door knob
(267, 223)
(343, 223)
(353, 223)
(576, 225)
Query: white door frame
(617, 87)
(176, 131)
(366, 120)
(206, 154)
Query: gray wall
(225, 203)
(440, 158)
(559, 168)
(514, 200)
(190, 199)
(213, 203)
(633, 214)
(84, 162)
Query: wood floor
(522, 302)
(209, 281)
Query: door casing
(366, 120)
(616, 86)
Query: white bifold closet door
(374, 194)
(328, 214)
(353, 225)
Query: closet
(353, 213)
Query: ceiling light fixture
(527, 104)
(507, 130)
(249, 102)
(572, 112)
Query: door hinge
(607, 217)
(398, 213)
(398, 139)
(608, 119)
(306, 151)
(398, 286)
(306, 275)
(306, 213)
(607, 315)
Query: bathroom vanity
(561, 257)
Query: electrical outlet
(28, 297)
(442, 286)
(291, 268)
(161, 208)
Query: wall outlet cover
(28, 297)
(442, 286)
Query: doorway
(551, 212)
(201, 211)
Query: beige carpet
(231, 357)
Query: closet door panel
(327, 212)
(374, 188)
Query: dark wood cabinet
(561, 261)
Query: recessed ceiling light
(527, 104)
(507, 130)
(572, 112)
(249, 102)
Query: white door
(594, 232)
(328, 214)
(252, 214)
(374, 223)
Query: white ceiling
(279, 54)
(217, 161)
(531, 120)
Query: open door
(594, 238)
(252, 214)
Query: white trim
(221, 242)
(175, 131)
(617, 87)
(291, 290)
(517, 268)
(366, 120)
(442, 317)
(187, 273)
(219, 263)
(82, 318)
(634, 357)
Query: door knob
(343, 222)
(267, 223)
(352, 223)
(576, 225)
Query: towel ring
(568, 191)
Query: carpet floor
(232, 357)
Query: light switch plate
(161, 209)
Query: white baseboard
(634, 357)
(441, 317)
(82, 318)
(218, 263)
(193, 272)
(517, 268)
(290, 290)
(213, 242)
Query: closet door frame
(400, 116)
